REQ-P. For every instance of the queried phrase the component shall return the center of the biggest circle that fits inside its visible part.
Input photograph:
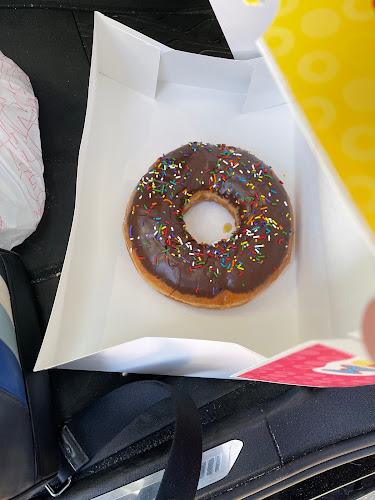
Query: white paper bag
(22, 194)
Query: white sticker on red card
(315, 365)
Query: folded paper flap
(244, 24)
(136, 67)
(263, 92)
(155, 63)
(205, 72)
(112, 25)
(198, 358)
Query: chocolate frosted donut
(227, 273)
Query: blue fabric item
(7, 333)
(11, 378)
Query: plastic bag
(22, 193)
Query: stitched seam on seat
(12, 396)
(273, 437)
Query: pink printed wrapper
(315, 365)
(22, 193)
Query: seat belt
(98, 432)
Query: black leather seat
(27, 427)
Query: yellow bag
(326, 53)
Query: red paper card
(316, 365)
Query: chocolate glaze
(253, 252)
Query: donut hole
(209, 219)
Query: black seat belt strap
(98, 432)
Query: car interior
(81, 435)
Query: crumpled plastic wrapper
(22, 192)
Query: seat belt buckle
(57, 491)
(72, 450)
